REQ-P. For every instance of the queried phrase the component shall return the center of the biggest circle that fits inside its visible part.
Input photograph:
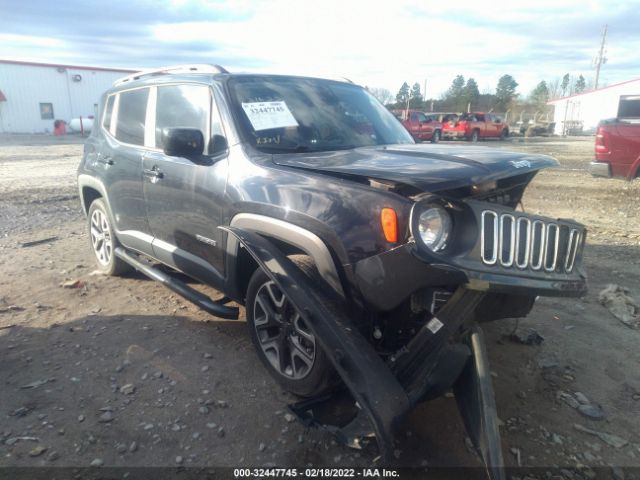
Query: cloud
(375, 44)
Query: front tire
(475, 136)
(504, 134)
(103, 240)
(436, 136)
(285, 345)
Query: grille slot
(514, 241)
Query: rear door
(120, 158)
(184, 196)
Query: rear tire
(284, 344)
(103, 241)
(475, 136)
(436, 136)
(504, 134)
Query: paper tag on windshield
(267, 115)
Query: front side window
(182, 106)
(291, 114)
(108, 111)
(131, 116)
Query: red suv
(420, 125)
(474, 126)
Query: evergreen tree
(580, 85)
(505, 92)
(540, 95)
(416, 96)
(470, 93)
(403, 94)
(456, 89)
(565, 84)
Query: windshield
(290, 114)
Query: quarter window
(131, 115)
(185, 106)
(108, 111)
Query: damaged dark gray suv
(365, 262)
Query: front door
(184, 196)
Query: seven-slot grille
(511, 240)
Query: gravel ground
(121, 372)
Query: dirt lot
(197, 393)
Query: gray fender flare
(292, 234)
(85, 180)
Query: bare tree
(383, 95)
(555, 89)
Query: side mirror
(182, 142)
(218, 144)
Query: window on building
(108, 111)
(184, 106)
(46, 111)
(131, 115)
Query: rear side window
(108, 111)
(184, 106)
(131, 114)
(629, 106)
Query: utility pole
(424, 92)
(600, 58)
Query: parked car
(474, 126)
(362, 259)
(617, 145)
(420, 125)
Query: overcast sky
(374, 43)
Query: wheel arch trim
(84, 181)
(291, 234)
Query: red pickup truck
(617, 149)
(618, 142)
(420, 125)
(474, 126)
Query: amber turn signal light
(389, 222)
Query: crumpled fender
(384, 401)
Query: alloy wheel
(101, 237)
(284, 338)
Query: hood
(428, 168)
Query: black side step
(215, 308)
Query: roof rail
(195, 68)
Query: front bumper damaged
(515, 255)
(384, 392)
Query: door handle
(105, 160)
(153, 173)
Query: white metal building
(34, 95)
(582, 112)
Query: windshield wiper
(281, 149)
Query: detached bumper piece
(380, 394)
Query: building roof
(592, 91)
(75, 67)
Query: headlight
(434, 226)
